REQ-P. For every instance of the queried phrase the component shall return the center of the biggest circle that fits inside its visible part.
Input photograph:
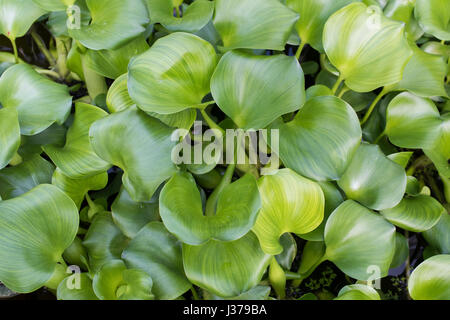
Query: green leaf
(53, 5)
(104, 241)
(30, 145)
(313, 15)
(313, 253)
(373, 179)
(439, 236)
(155, 251)
(15, 181)
(140, 145)
(182, 213)
(434, 17)
(424, 74)
(118, 98)
(77, 189)
(35, 229)
(194, 18)
(114, 23)
(368, 49)
(68, 290)
(227, 269)
(401, 158)
(131, 216)
(358, 292)
(403, 11)
(114, 63)
(401, 251)
(77, 159)
(413, 122)
(290, 203)
(39, 101)
(358, 240)
(173, 75)
(429, 281)
(415, 213)
(9, 135)
(240, 88)
(322, 139)
(17, 16)
(253, 24)
(115, 282)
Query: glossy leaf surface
(39, 101)
(253, 24)
(239, 86)
(227, 269)
(290, 203)
(325, 126)
(35, 229)
(368, 49)
(358, 239)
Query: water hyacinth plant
(226, 149)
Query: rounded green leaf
(77, 159)
(39, 101)
(322, 139)
(227, 269)
(131, 216)
(415, 213)
(103, 241)
(424, 74)
(173, 75)
(368, 49)
(373, 179)
(115, 282)
(253, 24)
(9, 135)
(114, 23)
(17, 16)
(313, 15)
(414, 122)
(140, 145)
(430, 281)
(118, 99)
(157, 252)
(439, 236)
(240, 88)
(194, 18)
(359, 241)
(76, 189)
(15, 181)
(68, 290)
(358, 292)
(182, 213)
(114, 63)
(35, 229)
(434, 17)
(290, 203)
